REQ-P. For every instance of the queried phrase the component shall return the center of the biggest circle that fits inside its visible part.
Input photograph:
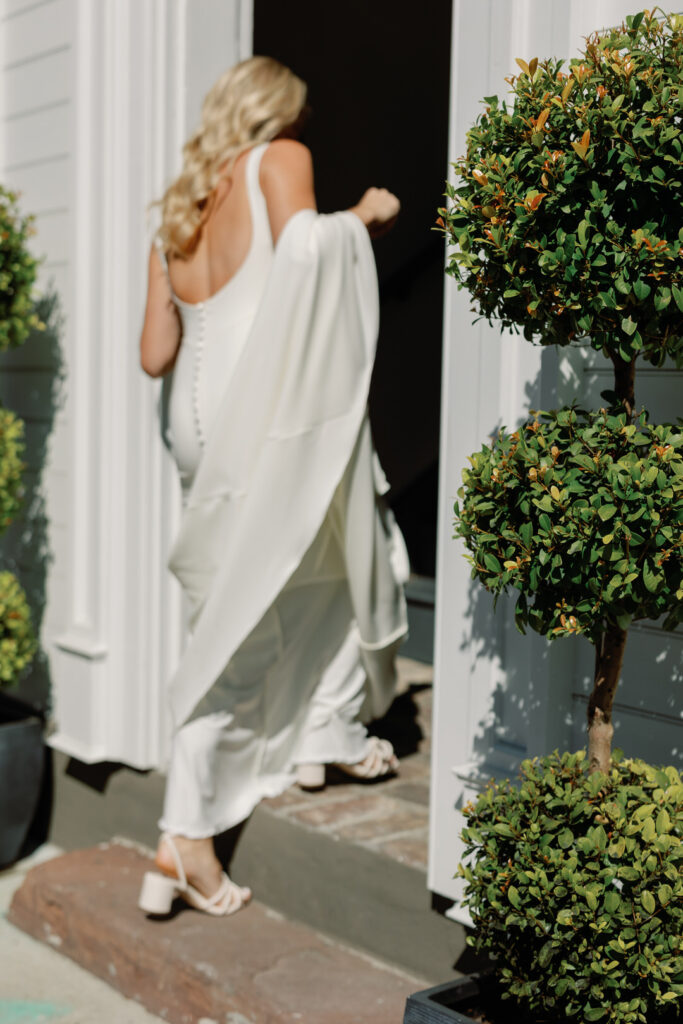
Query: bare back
(224, 242)
(286, 182)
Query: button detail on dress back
(199, 351)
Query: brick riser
(352, 862)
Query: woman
(291, 566)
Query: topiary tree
(575, 886)
(566, 226)
(17, 317)
(17, 274)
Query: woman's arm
(378, 209)
(286, 178)
(161, 330)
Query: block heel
(379, 763)
(310, 776)
(157, 893)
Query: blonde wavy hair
(252, 102)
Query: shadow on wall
(32, 384)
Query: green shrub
(17, 318)
(17, 274)
(575, 886)
(583, 514)
(17, 639)
(567, 215)
(11, 466)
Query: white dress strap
(257, 200)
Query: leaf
(628, 326)
(665, 894)
(503, 830)
(662, 298)
(612, 901)
(651, 579)
(678, 296)
(515, 898)
(607, 299)
(523, 65)
(546, 953)
(542, 117)
(564, 917)
(594, 1013)
(606, 512)
(648, 901)
(492, 563)
(565, 839)
(663, 822)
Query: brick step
(255, 967)
(350, 861)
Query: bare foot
(202, 867)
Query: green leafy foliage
(575, 886)
(17, 318)
(11, 465)
(18, 270)
(17, 639)
(583, 514)
(566, 219)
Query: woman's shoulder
(286, 158)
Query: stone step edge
(257, 964)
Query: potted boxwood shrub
(21, 728)
(566, 225)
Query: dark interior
(378, 78)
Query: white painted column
(141, 71)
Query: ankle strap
(176, 858)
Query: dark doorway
(378, 78)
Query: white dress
(292, 686)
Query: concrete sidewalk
(38, 985)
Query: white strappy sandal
(379, 762)
(158, 890)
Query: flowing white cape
(291, 436)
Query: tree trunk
(625, 382)
(609, 651)
(609, 655)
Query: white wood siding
(36, 159)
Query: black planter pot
(439, 1005)
(22, 766)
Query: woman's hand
(378, 208)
